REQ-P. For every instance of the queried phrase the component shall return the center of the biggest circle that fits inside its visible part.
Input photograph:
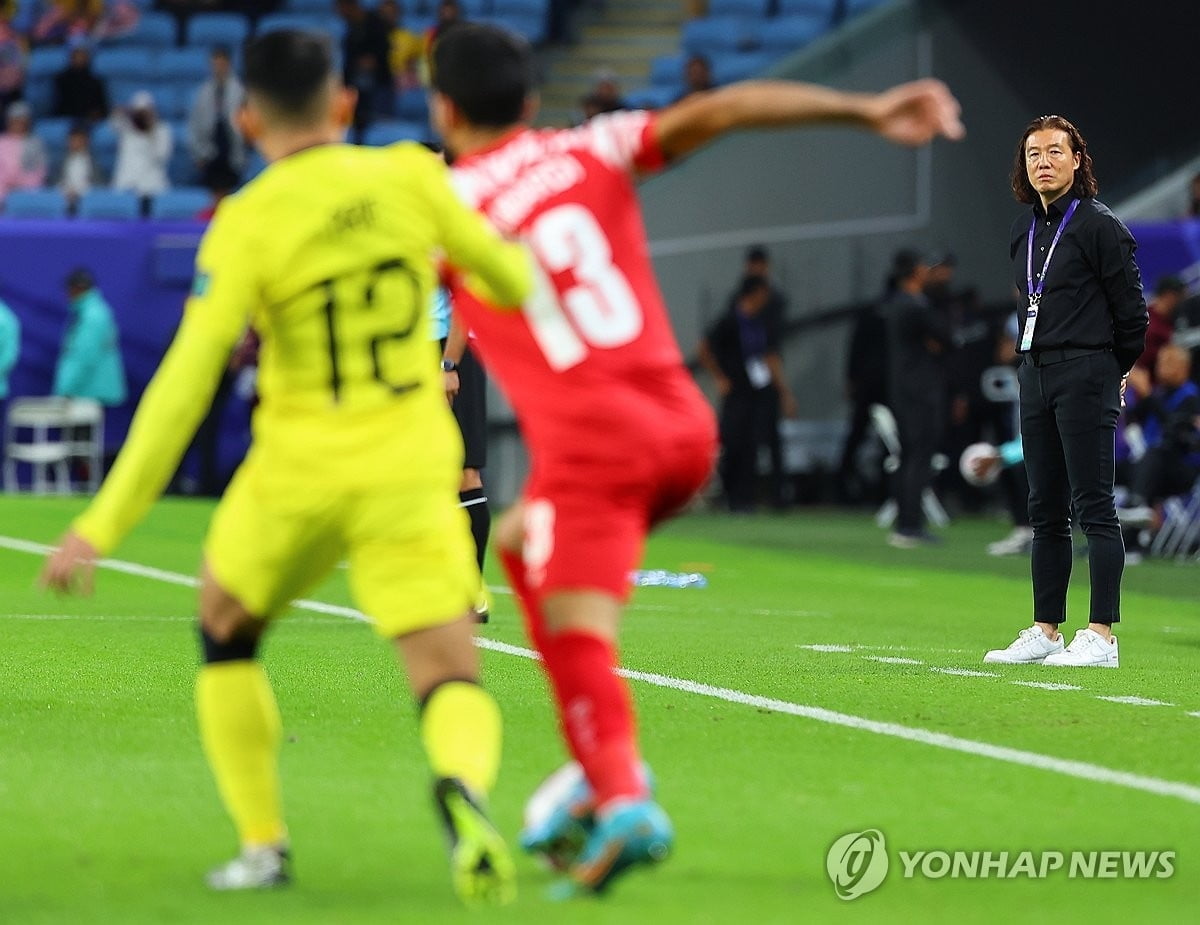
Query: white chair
(47, 433)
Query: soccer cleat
(482, 608)
(481, 868)
(1030, 646)
(1017, 543)
(257, 868)
(559, 818)
(1087, 650)
(626, 836)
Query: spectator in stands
(78, 92)
(605, 96)
(366, 63)
(1169, 415)
(144, 145)
(120, 17)
(89, 364)
(78, 173)
(63, 20)
(405, 48)
(918, 341)
(22, 154)
(1162, 308)
(449, 14)
(12, 64)
(215, 143)
(697, 76)
(742, 354)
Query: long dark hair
(1085, 185)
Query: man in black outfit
(742, 353)
(918, 344)
(1083, 328)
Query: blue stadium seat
(255, 164)
(719, 34)
(328, 24)
(209, 30)
(109, 204)
(181, 170)
(53, 133)
(521, 7)
(655, 97)
(180, 204)
(45, 62)
(472, 9)
(124, 63)
(183, 65)
(39, 94)
(104, 147)
(320, 7)
(788, 33)
(387, 133)
(667, 70)
(532, 27)
(153, 30)
(854, 7)
(751, 9)
(735, 66)
(413, 105)
(823, 8)
(35, 203)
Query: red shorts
(586, 520)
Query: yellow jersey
(330, 255)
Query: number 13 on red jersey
(598, 309)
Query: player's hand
(916, 113)
(450, 384)
(70, 569)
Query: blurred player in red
(619, 436)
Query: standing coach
(1084, 326)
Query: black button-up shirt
(1093, 292)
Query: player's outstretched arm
(909, 114)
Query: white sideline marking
(847, 647)
(965, 672)
(892, 660)
(1197, 713)
(1137, 701)
(1083, 770)
(825, 648)
(1048, 686)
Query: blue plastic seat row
(716, 34)
(104, 204)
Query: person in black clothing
(366, 63)
(758, 264)
(918, 342)
(1169, 416)
(1083, 327)
(741, 352)
(78, 93)
(866, 385)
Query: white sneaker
(1017, 543)
(1031, 646)
(1087, 650)
(254, 869)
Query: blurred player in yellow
(329, 255)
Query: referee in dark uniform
(1083, 326)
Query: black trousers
(749, 418)
(1069, 413)
(921, 427)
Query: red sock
(531, 607)
(596, 713)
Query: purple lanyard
(1035, 294)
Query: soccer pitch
(822, 684)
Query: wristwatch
(448, 366)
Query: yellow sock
(241, 732)
(461, 729)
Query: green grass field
(107, 812)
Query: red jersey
(590, 361)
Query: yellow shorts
(409, 546)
